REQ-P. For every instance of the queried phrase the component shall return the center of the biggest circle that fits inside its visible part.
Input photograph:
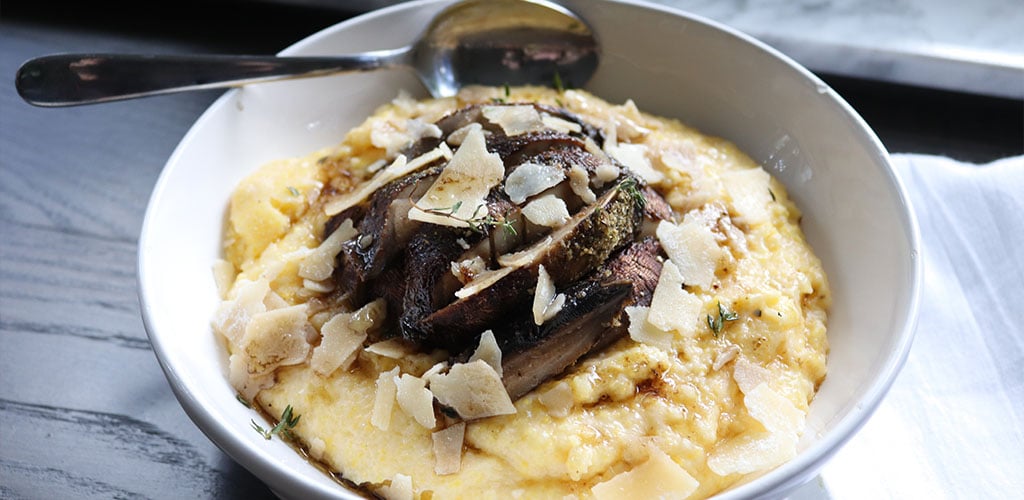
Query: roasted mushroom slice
(569, 253)
(384, 230)
(592, 318)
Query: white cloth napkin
(952, 425)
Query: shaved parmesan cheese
(545, 303)
(466, 270)
(398, 168)
(342, 337)
(276, 338)
(773, 410)
(523, 257)
(223, 276)
(319, 265)
(325, 286)
(244, 382)
(473, 390)
(558, 400)
(658, 477)
(273, 300)
(233, 315)
(338, 347)
(548, 210)
(579, 181)
(395, 348)
(446, 151)
(529, 179)
(642, 331)
(514, 120)
(605, 172)
(693, 249)
(725, 356)
(634, 157)
(673, 308)
(455, 138)
(482, 281)
(560, 125)
(462, 187)
(393, 171)
(488, 351)
(438, 368)
(750, 452)
(391, 136)
(415, 399)
(399, 489)
(749, 375)
(448, 449)
(750, 193)
(384, 399)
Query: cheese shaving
(548, 210)
(634, 157)
(447, 445)
(693, 249)
(672, 307)
(644, 332)
(461, 189)
(531, 178)
(276, 338)
(658, 477)
(545, 303)
(474, 390)
(514, 120)
(318, 265)
(488, 351)
(384, 399)
(415, 399)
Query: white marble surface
(975, 46)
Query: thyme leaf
(717, 323)
(477, 222)
(283, 428)
(631, 188)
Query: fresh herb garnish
(283, 428)
(773, 194)
(243, 401)
(716, 324)
(508, 91)
(558, 83)
(476, 222)
(631, 187)
(293, 191)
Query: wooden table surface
(85, 410)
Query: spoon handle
(73, 79)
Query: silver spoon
(486, 42)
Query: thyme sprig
(631, 188)
(478, 222)
(717, 323)
(283, 428)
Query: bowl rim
(790, 474)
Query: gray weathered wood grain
(85, 410)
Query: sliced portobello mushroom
(569, 253)
(592, 318)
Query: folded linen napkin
(952, 426)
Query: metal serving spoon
(487, 42)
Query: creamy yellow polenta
(696, 404)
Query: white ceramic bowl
(856, 215)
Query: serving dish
(855, 213)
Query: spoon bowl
(485, 42)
